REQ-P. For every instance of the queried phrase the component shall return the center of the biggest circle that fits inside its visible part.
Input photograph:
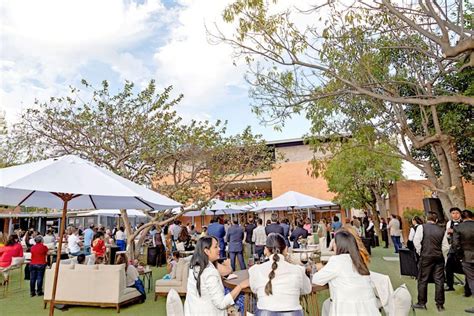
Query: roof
(29, 215)
(299, 141)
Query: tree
(366, 64)
(141, 137)
(360, 175)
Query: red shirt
(98, 247)
(8, 252)
(38, 254)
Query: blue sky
(50, 44)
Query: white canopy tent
(70, 182)
(130, 213)
(293, 200)
(217, 207)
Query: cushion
(113, 267)
(165, 283)
(129, 293)
(401, 301)
(174, 306)
(83, 267)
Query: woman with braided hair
(277, 283)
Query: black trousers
(468, 268)
(431, 266)
(452, 265)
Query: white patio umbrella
(70, 182)
(293, 200)
(217, 207)
(130, 213)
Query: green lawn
(18, 302)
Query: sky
(48, 45)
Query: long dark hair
(12, 239)
(276, 244)
(346, 243)
(418, 220)
(200, 259)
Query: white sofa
(179, 283)
(90, 285)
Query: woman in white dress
(205, 292)
(348, 276)
(277, 283)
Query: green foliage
(359, 170)
(139, 135)
(384, 66)
(409, 213)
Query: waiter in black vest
(463, 244)
(452, 263)
(430, 241)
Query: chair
(17, 263)
(174, 306)
(179, 284)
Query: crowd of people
(243, 195)
(222, 246)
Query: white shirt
(48, 239)
(411, 235)
(419, 238)
(212, 301)
(259, 236)
(73, 243)
(351, 293)
(132, 275)
(289, 284)
(120, 235)
(371, 224)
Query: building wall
(293, 176)
(410, 194)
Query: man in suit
(286, 230)
(463, 245)
(249, 228)
(274, 227)
(430, 242)
(298, 232)
(217, 230)
(235, 236)
(452, 263)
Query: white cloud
(201, 71)
(45, 43)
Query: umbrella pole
(58, 259)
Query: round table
(309, 302)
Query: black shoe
(448, 289)
(419, 306)
(440, 307)
(32, 294)
(469, 310)
(40, 294)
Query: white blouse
(351, 293)
(212, 301)
(289, 284)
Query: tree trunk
(129, 232)
(450, 185)
(143, 235)
(380, 202)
